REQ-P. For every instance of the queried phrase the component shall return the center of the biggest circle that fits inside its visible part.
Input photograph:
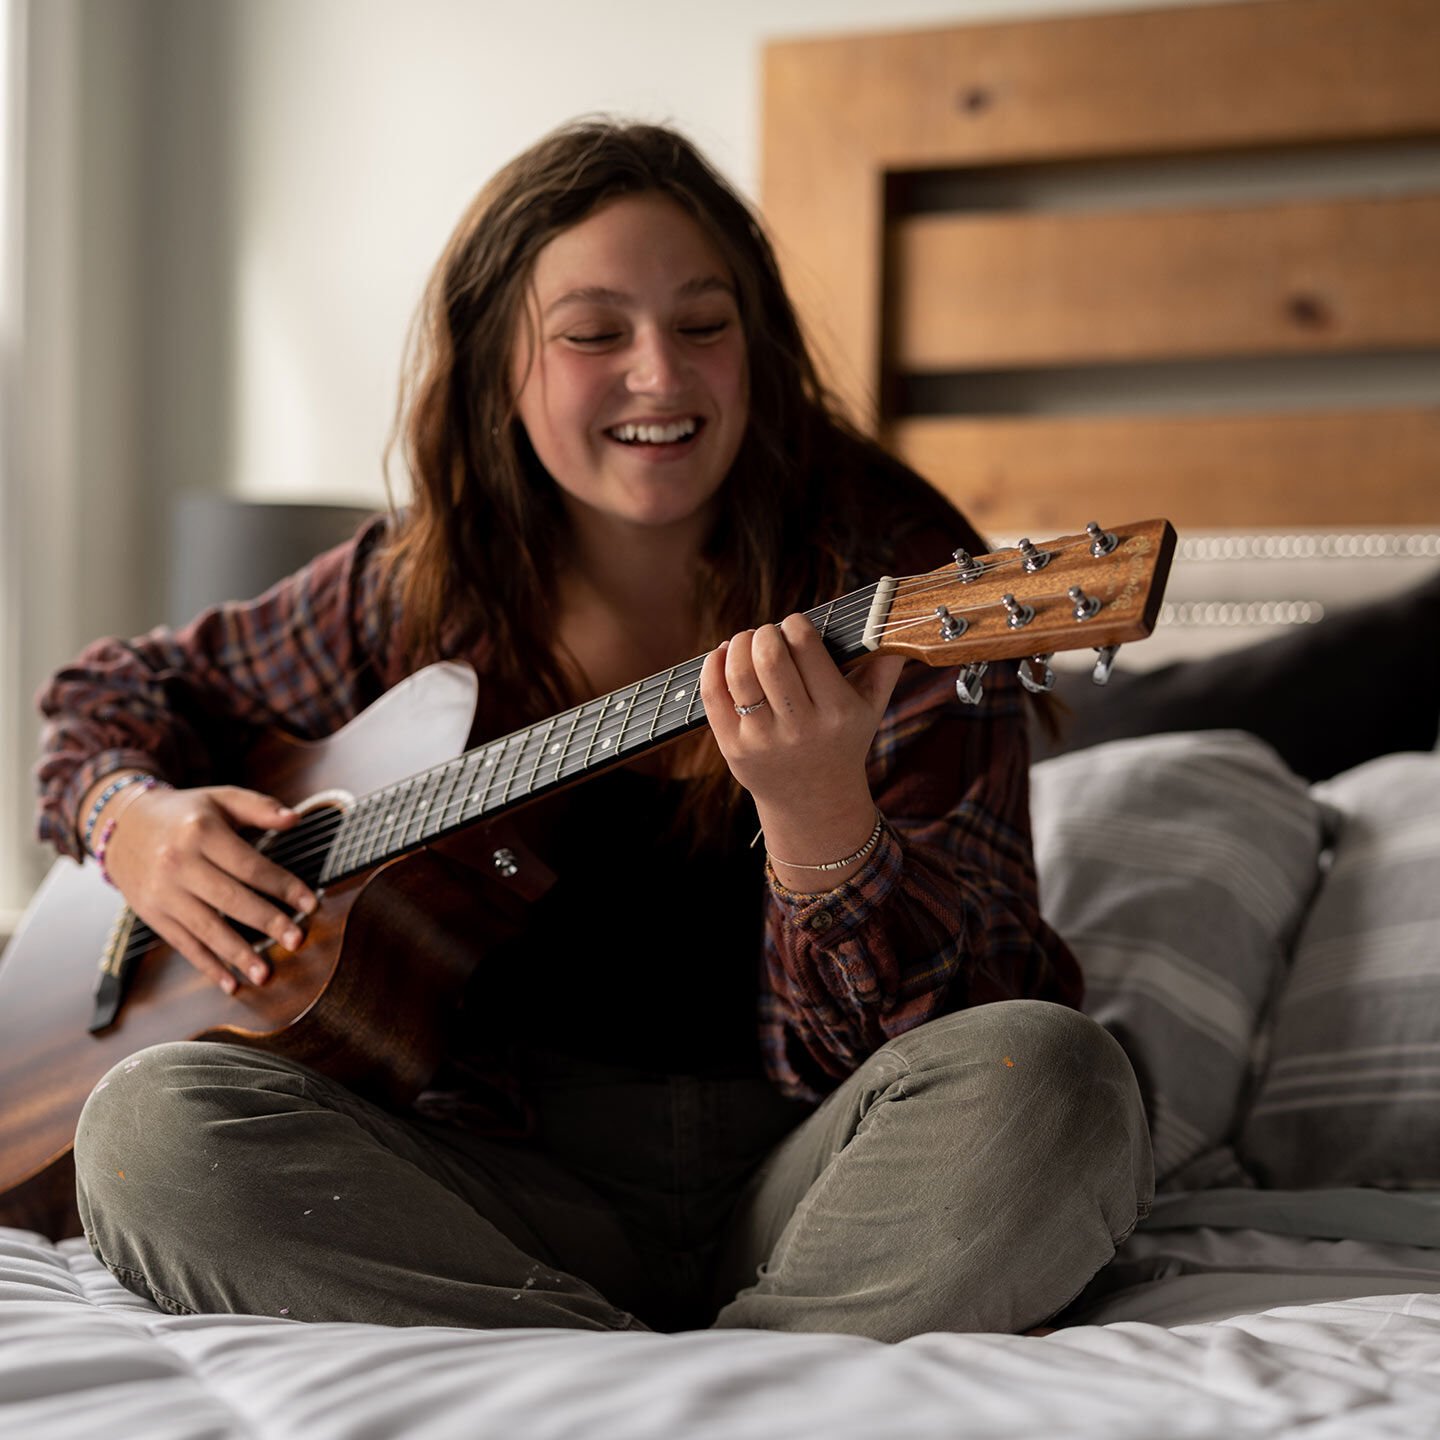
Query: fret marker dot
(679, 696)
(605, 743)
(554, 747)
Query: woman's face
(635, 390)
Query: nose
(656, 365)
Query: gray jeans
(971, 1175)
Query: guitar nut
(506, 865)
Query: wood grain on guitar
(370, 996)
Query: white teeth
(654, 434)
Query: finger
(237, 902)
(211, 930)
(194, 951)
(780, 677)
(715, 695)
(874, 681)
(740, 678)
(234, 855)
(823, 679)
(251, 808)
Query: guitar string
(431, 819)
(613, 708)
(316, 834)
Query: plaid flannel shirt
(943, 915)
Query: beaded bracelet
(101, 845)
(133, 777)
(860, 854)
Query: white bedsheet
(80, 1357)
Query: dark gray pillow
(1362, 682)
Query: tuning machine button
(1104, 663)
(967, 683)
(1039, 683)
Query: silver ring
(751, 709)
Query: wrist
(841, 862)
(108, 799)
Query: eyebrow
(603, 295)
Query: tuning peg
(1102, 542)
(968, 566)
(1034, 559)
(1104, 664)
(1019, 614)
(967, 682)
(1046, 680)
(952, 627)
(1085, 605)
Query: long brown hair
(474, 554)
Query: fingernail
(258, 973)
(229, 985)
(306, 905)
(293, 939)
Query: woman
(789, 1103)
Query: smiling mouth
(668, 434)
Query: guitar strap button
(506, 865)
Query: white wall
(231, 207)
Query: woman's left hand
(799, 746)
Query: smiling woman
(778, 1107)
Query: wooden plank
(1272, 72)
(839, 114)
(1000, 291)
(1317, 469)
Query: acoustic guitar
(370, 995)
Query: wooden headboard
(1180, 262)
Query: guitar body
(366, 998)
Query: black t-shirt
(645, 952)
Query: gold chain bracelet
(860, 854)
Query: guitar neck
(506, 773)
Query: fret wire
(512, 750)
(694, 695)
(660, 702)
(399, 818)
(590, 743)
(454, 770)
(625, 717)
(566, 743)
(540, 754)
(419, 812)
(491, 766)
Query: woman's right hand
(176, 857)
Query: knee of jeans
(1063, 1058)
(142, 1108)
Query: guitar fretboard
(506, 772)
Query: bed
(1239, 834)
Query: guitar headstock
(1098, 589)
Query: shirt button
(821, 920)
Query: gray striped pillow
(1351, 1095)
(1178, 867)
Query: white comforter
(80, 1357)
